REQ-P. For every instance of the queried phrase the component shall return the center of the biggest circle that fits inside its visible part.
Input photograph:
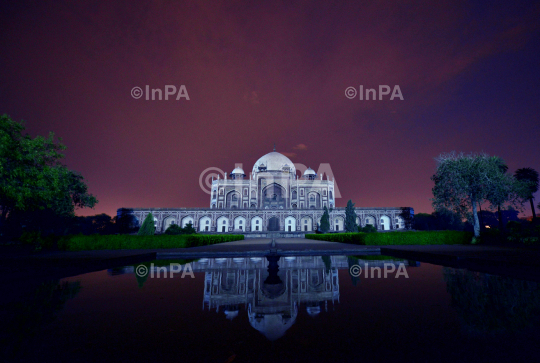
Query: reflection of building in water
(272, 289)
(272, 303)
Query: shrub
(147, 228)
(353, 238)
(30, 238)
(175, 229)
(397, 238)
(121, 241)
(37, 240)
(419, 238)
(116, 242)
(524, 232)
(325, 221)
(350, 218)
(188, 229)
(367, 229)
(195, 240)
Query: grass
(122, 241)
(397, 238)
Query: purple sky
(264, 72)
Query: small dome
(231, 314)
(310, 171)
(237, 171)
(313, 310)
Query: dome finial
(274, 146)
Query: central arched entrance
(274, 196)
(273, 224)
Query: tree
(350, 218)
(126, 221)
(441, 219)
(325, 221)
(462, 182)
(447, 220)
(530, 178)
(147, 228)
(188, 229)
(499, 198)
(32, 177)
(424, 222)
(407, 214)
(368, 229)
(176, 229)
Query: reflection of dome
(313, 310)
(272, 326)
(231, 314)
(274, 161)
(309, 171)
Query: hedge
(398, 238)
(194, 240)
(123, 241)
(352, 238)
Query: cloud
(289, 155)
(300, 147)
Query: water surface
(279, 309)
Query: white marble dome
(274, 161)
(237, 171)
(310, 171)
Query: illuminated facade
(271, 198)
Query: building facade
(272, 198)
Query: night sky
(259, 73)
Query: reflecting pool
(280, 309)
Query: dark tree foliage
(529, 176)
(407, 213)
(175, 229)
(491, 219)
(147, 228)
(327, 263)
(463, 182)
(424, 222)
(325, 221)
(367, 229)
(33, 179)
(126, 221)
(188, 229)
(98, 224)
(350, 218)
(523, 232)
(442, 219)
(351, 261)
